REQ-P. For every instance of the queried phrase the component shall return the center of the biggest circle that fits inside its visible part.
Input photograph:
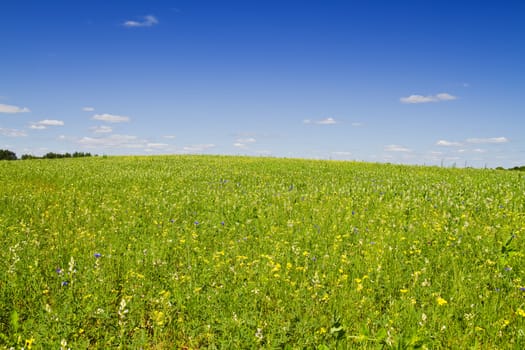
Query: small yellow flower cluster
(359, 282)
(441, 301)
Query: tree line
(6, 154)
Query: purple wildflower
(58, 270)
(522, 289)
(64, 283)
(97, 255)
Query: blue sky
(412, 82)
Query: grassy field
(230, 252)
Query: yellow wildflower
(158, 318)
(29, 342)
(441, 301)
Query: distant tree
(53, 155)
(81, 154)
(28, 156)
(6, 154)
(49, 155)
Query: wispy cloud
(414, 99)
(51, 122)
(111, 118)
(9, 109)
(102, 129)
(244, 142)
(156, 145)
(198, 148)
(396, 148)
(153, 147)
(147, 21)
(488, 140)
(446, 143)
(88, 109)
(170, 137)
(12, 132)
(112, 141)
(116, 142)
(325, 121)
(43, 124)
(37, 127)
(342, 153)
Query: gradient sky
(413, 82)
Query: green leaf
(13, 321)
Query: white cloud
(446, 143)
(247, 140)
(43, 124)
(170, 137)
(51, 122)
(417, 99)
(413, 99)
(244, 142)
(9, 109)
(357, 124)
(445, 97)
(325, 121)
(198, 148)
(488, 140)
(115, 142)
(12, 132)
(156, 145)
(88, 109)
(111, 118)
(112, 141)
(342, 153)
(396, 148)
(148, 21)
(102, 129)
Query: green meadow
(193, 252)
